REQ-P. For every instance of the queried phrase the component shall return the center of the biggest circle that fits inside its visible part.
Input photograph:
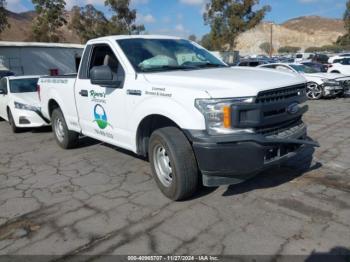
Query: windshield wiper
(211, 65)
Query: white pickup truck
(169, 99)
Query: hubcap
(162, 165)
(313, 91)
(59, 130)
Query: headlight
(217, 114)
(328, 82)
(26, 107)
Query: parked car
(332, 59)
(319, 84)
(251, 62)
(19, 102)
(317, 66)
(320, 58)
(192, 115)
(300, 57)
(340, 66)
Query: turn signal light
(227, 116)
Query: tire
(314, 91)
(12, 123)
(169, 146)
(63, 136)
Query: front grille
(280, 94)
(278, 129)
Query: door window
(102, 55)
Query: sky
(185, 17)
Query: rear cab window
(28, 85)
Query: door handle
(83, 93)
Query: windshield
(304, 69)
(23, 85)
(150, 55)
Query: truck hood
(226, 82)
(30, 98)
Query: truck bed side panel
(61, 91)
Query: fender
(185, 118)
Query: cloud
(193, 2)
(145, 19)
(16, 6)
(180, 28)
(71, 3)
(139, 2)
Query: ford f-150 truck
(168, 99)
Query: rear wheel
(12, 122)
(173, 163)
(314, 91)
(64, 137)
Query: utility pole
(271, 38)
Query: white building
(31, 58)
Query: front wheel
(12, 122)
(64, 137)
(313, 91)
(173, 163)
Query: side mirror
(103, 76)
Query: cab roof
(121, 37)
(22, 77)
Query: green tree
(3, 16)
(123, 21)
(88, 23)
(50, 18)
(265, 47)
(345, 39)
(229, 18)
(192, 38)
(206, 42)
(332, 48)
(288, 49)
(313, 49)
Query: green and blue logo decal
(101, 117)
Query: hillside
(20, 29)
(302, 32)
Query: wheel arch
(52, 105)
(147, 126)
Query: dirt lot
(100, 200)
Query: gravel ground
(98, 199)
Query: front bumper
(29, 119)
(329, 91)
(233, 159)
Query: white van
(300, 57)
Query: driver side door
(101, 108)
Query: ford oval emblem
(293, 108)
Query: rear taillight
(38, 90)
(329, 66)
